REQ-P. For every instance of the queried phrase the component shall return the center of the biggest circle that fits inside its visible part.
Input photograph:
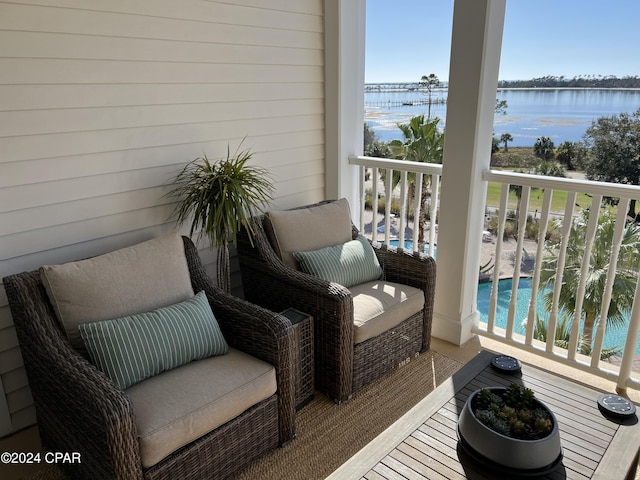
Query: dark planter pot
(511, 453)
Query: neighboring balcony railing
(521, 332)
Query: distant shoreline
(622, 89)
(444, 89)
(562, 114)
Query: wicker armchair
(341, 366)
(80, 410)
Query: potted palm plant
(219, 198)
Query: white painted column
(345, 23)
(473, 79)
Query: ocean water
(561, 114)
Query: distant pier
(406, 103)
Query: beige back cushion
(132, 280)
(309, 229)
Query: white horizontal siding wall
(102, 103)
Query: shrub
(515, 158)
(382, 203)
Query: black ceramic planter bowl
(511, 453)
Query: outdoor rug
(329, 434)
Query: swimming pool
(614, 337)
(408, 245)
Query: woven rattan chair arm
(79, 409)
(270, 283)
(254, 330)
(402, 266)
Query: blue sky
(410, 38)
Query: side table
(303, 361)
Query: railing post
(388, 190)
(417, 210)
(522, 228)
(621, 217)
(433, 213)
(535, 284)
(502, 216)
(592, 226)
(630, 344)
(403, 206)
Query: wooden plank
(62, 45)
(81, 22)
(445, 421)
(39, 122)
(8, 338)
(571, 464)
(449, 414)
(58, 213)
(269, 152)
(70, 71)
(430, 454)
(42, 97)
(10, 360)
(581, 445)
(95, 228)
(5, 316)
(387, 472)
(29, 147)
(411, 468)
(622, 454)
(430, 430)
(206, 12)
(371, 475)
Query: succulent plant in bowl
(510, 428)
(513, 413)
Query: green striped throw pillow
(348, 264)
(132, 348)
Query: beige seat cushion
(379, 306)
(131, 280)
(179, 406)
(308, 229)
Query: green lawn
(558, 200)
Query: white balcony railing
(619, 371)
(432, 171)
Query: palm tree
(563, 334)
(506, 138)
(430, 82)
(424, 142)
(544, 148)
(626, 273)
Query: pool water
(408, 245)
(614, 337)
